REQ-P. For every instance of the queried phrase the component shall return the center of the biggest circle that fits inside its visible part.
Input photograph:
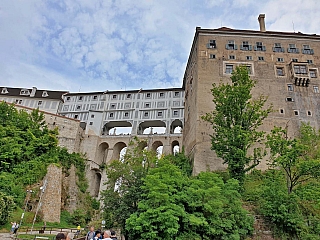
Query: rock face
(71, 189)
(51, 198)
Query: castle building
(284, 65)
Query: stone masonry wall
(51, 199)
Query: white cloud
(100, 44)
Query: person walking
(107, 235)
(90, 235)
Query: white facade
(138, 109)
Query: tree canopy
(235, 121)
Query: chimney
(33, 92)
(262, 23)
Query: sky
(99, 45)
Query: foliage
(124, 184)
(295, 215)
(181, 161)
(177, 207)
(6, 207)
(299, 157)
(235, 121)
(27, 147)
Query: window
(229, 68)
(126, 114)
(148, 95)
(289, 99)
(24, 92)
(259, 47)
(161, 94)
(281, 111)
(260, 58)
(309, 61)
(95, 97)
(128, 95)
(277, 48)
(68, 98)
(39, 103)
(313, 73)
(114, 96)
(249, 69)
(175, 113)
(300, 69)
(45, 94)
(113, 106)
(92, 116)
(212, 44)
(232, 57)
(307, 50)
(280, 71)
(176, 94)
(294, 59)
(111, 115)
(248, 57)
(146, 114)
(292, 49)
(4, 91)
(78, 107)
(18, 101)
(76, 116)
(147, 105)
(159, 114)
(309, 113)
(296, 112)
(127, 105)
(212, 56)
(245, 46)
(280, 60)
(231, 46)
(290, 87)
(80, 98)
(91, 123)
(315, 89)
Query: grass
(32, 236)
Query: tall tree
(298, 157)
(235, 121)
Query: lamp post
(42, 189)
(25, 206)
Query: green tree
(298, 157)
(235, 121)
(6, 207)
(123, 190)
(177, 207)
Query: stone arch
(175, 124)
(175, 147)
(157, 146)
(150, 124)
(110, 127)
(102, 153)
(117, 149)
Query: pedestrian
(70, 236)
(90, 235)
(113, 235)
(60, 236)
(107, 235)
(13, 226)
(97, 235)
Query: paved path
(5, 236)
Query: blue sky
(98, 45)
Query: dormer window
(212, 44)
(307, 50)
(231, 45)
(259, 47)
(277, 48)
(292, 49)
(24, 92)
(245, 46)
(4, 91)
(45, 94)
